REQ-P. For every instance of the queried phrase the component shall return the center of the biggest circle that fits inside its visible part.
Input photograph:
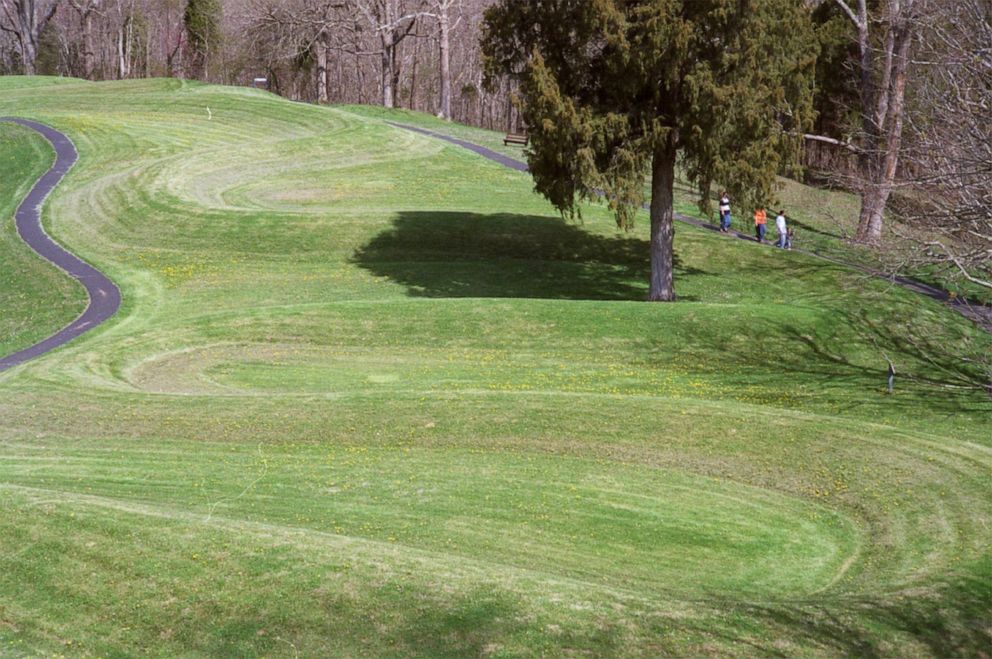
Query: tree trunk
(387, 70)
(29, 54)
(662, 288)
(395, 68)
(873, 201)
(445, 56)
(123, 58)
(322, 68)
(27, 29)
(89, 57)
(884, 157)
(413, 76)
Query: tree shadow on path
(450, 254)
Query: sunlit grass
(370, 394)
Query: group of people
(785, 233)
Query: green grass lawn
(368, 394)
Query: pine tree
(613, 91)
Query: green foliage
(202, 22)
(49, 58)
(604, 84)
(837, 85)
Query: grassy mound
(369, 394)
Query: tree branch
(953, 259)
(829, 140)
(850, 13)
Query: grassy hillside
(824, 220)
(369, 394)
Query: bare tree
(87, 10)
(126, 38)
(950, 135)
(883, 67)
(441, 11)
(292, 31)
(26, 19)
(391, 21)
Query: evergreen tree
(614, 90)
(837, 92)
(202, 23)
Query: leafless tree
(87, 10)
(950, 143)
(391, 21)
(885, 41)
(441, 10)
(25, 20)
(298, 30)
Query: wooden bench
(513, 138)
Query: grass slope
(825, 220)
(369, 394)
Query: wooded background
(388, 52)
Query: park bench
(513, 138)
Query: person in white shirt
(783, 230)
(724, 212)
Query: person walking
(724, 212)
(782, 228)
(760, 219)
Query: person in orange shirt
(759, 224)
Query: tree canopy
(613, 91)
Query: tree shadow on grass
(479, 623)
(842, 352)
(949, 620)
(447, 254)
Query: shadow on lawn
(949, 620)
(932, 369)
(479, 623)
(841, 350)
(946, 620)
(438, 254)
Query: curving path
(105, 297)
(979, 314)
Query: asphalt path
(104, 296)
(980, 314)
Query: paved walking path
(105, 297)
(980, 314)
